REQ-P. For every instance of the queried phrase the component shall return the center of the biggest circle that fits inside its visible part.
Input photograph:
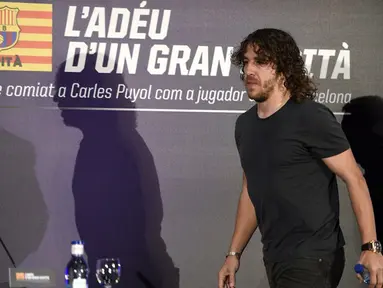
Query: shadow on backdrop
(23, 211)
(118, 206)
(363, 127)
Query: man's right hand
(226, 276)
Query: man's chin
(257, 98)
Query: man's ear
(281, 82)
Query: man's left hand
(374, 263)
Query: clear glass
(108, 271)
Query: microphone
(8, 253)
(145, 280)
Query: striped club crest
(9, 28)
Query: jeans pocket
(332, 267)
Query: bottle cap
(358, 268)
(77, 248)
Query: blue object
(362, 271)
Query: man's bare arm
(246, 221)
(345, 166)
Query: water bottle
(362, 271)
(77, 271)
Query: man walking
(291, 149)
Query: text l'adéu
(131, 26)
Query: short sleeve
(238, 137)
(237, 132)
(324, 136)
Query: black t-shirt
(294, 193)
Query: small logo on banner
(10, 30)
(25, 36)
(31, 278)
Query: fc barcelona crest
(9, 28)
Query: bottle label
(79, 283)
(77, 249)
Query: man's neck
(272, 105)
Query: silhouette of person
(118, 206)
(23, 211)
(363, 126)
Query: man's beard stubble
(264, 94)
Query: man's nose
(249, 69)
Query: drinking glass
(108, 271)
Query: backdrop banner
(117, 128)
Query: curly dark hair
(277, 47)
